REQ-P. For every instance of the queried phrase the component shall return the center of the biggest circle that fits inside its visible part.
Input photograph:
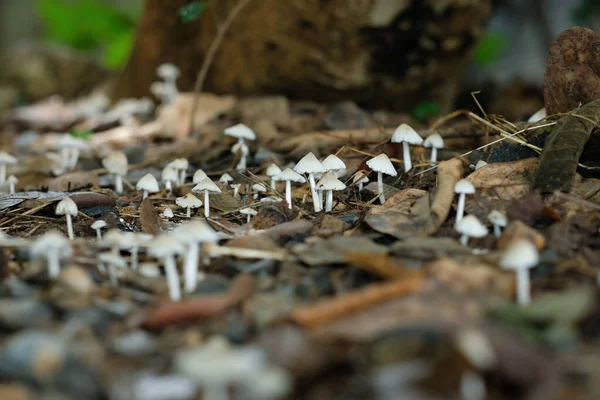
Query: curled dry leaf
(73, 180)
(151, 222)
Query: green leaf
(85, 135)
(118, 51)
(425, 110)
(191, 12)
(491, 48)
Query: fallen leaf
(333, 250)
(380, 265)
(73, 180)
(149, 218)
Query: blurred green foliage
(90, 25)
(425, 110)
(491, 48)
(81, 134)
(191, 12)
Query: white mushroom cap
(330, 182)
(538, 115)
(196, 230)
(148, 183)
(116, 163)
(236, 185)
(360, 177)
(259, 187)
(464, 186)
(333, 162)
(240, 131)
(273, 170)
(248, 211)
(309, 164)
(520, 254)
(169, 174)
(434, 140)
(98, 224)
(497, 218)
(158, 88)
(165, 246)
(198, 176)
(66, 207)
(167, 70)
(472, 227)
(405, 133)
(289, 175)
(382, 164)
(113, 259)
(51, 240)
(208, 185)
(480, 164)
(6, 158)
(225, 178)
(179, 163)
(69, 141)
(168, 213)
(188, 201)
(12, 179)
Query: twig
(210, 55)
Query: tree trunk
(380, 53)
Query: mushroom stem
(99, 234)
(53, 263)
(172, 278)
(144, 195)
(118, 184)
(190, 268)
(206, 204)
(523, 287)
(360, 187)
(273, 184)
(182, 177)
(248, 218)
(70, 227)
(406, 157)
(288, 193)
(74, 157)
(168, 186)
(2, 173)
(313, 192)
(329, 203)
(236, 190)
(460, 209)
(320, 192)
(497, 230)
(380, 187)
(112, 274)
(433, 155)
(188, 213)
(134, 257)
(11, 187)
(464, 240)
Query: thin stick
(210, 55)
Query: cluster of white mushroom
(166, 90)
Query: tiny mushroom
(148, 184)
(169, 176)
(249, 213)
(463, 187)
(132, 242)
(480, 164)
(470, 226)
(12, 182)
(288, 175)
(258, 188)
(193, 234)
(225, 178)
(112, 261)
(70, 147)
(521, 255)
(165, 248)
(207, 187)
(198, 176)
(5, 159)
(406, 135)
(168, 213)
(241, 132)
(180, 165)
(161, 91)
(97, 226)
(188, 202)
(382, 165)
(435, 142)
(273, 170)
(309, 164)
(169, 73)
(68, 208)
(537, 116)
(360, 178)
(116, 163)
(499, 221)
(335, 165)
(330, 183)
(52, 246)
(236, 189)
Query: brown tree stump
(380, 53)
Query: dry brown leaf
(149, 218)
(380, 265)
(509, 180)
(73, 180)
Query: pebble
(136, 343)
(24, 313)
(14, 288)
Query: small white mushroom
(193, 234)
(111, 262)
(258, 188)
(249, 213)
(499, 221)
(463, 187)
(241, 132)
(12, 181)
(537, 116)
(169, 73)
(52, 246)
(70, 148)
(406, 135)
(198, 176)
(236, 189)
(188, 202)
(160, 91)
(335, 165)
(273, 170)
(470, 226)
(288, 175)
(116, 163)
(382, 165)
(68, 208)
(5, 159)
(309, 164)
(180, 165)
(148, 184)
(132, 242)
(480, 164)
(168, 213)
(225, 178)
(169, 176)
(244, 150)
(207, 187)
(360, 178)
(97, 226)
(435, 142)
(520, 256)
(330, 183)
(165, 248)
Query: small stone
(136, 343)
(18, 314)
